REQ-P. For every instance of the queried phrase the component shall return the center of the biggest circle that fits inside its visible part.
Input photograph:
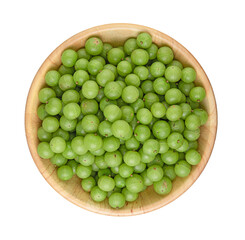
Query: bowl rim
(113, 26)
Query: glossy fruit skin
(71, 111)
(73, 164)
(52, 78)
(157, 69)
(97, 194)
(70, 96)
(58, 91)
(50, 124)
(202, 114)
(140, 167)
(140, 57)
(78, 146)
(41, 113)
(161, 129)
(45, 94)
(147, 86)
(69, 153)
(81, 64)
(192, 104)
(176, 63)
(163, 146)
(86, 159)
(192, 122)
(111, 144)
(173, 96)
(151, 147)
(117, 200)
(175, 140)
(144, 116)
(147, 181)
(184, 147)
(197, 94)
(100, 59)
(155, 173)
(191, 135)
(93, 142)
(94, 46)
(119, 181)
(144, 40)
(177, 126)
(80, 77)
(135, 183)
(127, 113)
(142, 133)
(115, 190)
(121, 129)
(161, 86)
(64, 173)
(142, 72)
(113, 159)
(125, 171)
(106, 48)
(130, 94)
(88, 184)
(132, 158)
(121, 118)
(66, 70)
(188, 75)
(169, 172)
(152, 51)
(165, 55)
(69, 58)
(105, 76)
(129, 196)
(132, 79)
(113, 90)
(138, 104)
(124, 68)
(57, 144)
(84, 171)
(105, 128)
(130, 45)
(174, 113)
(43, 136)
(44, 150)
(106, 183)
(193, 157)
(90, 89)
(58, 160)
(66, 82)
(173, 73)
(182, 168)
(89, 106)
(149, 99)
(81, 53)
(170, 157)
(115, 55)
(185, 87)
(112, 113)
(94, 67)
(186, 110)
(164, 186)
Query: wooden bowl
(148, 200)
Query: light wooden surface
(148, 201)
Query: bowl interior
(116, 34)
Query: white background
(213, 31)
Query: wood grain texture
(148, 201)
